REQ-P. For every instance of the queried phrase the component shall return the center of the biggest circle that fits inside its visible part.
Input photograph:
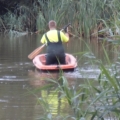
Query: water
(18, 76)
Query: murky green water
(18, 75)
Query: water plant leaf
(111, 79)
(116, 42)
(99, 91)
(93, 115)
(44, 103)
(106, 55)
(97, 98)
(43, 87)
(38, 89)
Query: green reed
(88, 17)
(85, 15)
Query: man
(53, 39)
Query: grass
(89, 19)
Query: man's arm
(67, 35)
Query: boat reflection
(39, 78)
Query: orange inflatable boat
(39, 62)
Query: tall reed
(88, 17)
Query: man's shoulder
(61, 33)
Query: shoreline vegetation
(93, 18)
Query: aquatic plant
(93, 99)
(87, 101)
(91, 18)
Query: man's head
(52, 24)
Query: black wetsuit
(55, 51)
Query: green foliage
(85, 15)
(94, 99)
(88, 101)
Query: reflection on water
(18, 76)
(50, 96)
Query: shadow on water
(18, 75)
